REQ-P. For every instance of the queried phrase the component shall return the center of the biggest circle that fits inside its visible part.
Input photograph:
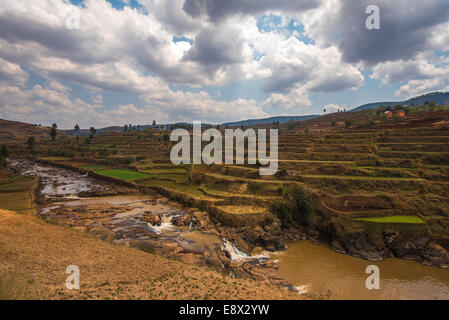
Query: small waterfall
(165, 225)
(237, 255)
(190, 226)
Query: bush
(282, 173)
(4, 152)
(296, 207)
(268, 221)
(3, 155)
(129, 160)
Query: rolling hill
(281, 120)
(14, 131)
(438, 97)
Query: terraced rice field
(124, 174)
(400, 170)
(394, 219)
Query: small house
(400, 113)
(388, 114)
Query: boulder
(102, 233)
(337, 247)
(152, 219)
(436, 254)
(213, 260)
(183, 220)
(162, 201)
(272, 243)
(190, 258)
(168, 249)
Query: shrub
(129, 160)
(268, 221)
(282, 173)
(4, 151)
(295, 208)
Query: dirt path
(34, 256)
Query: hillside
(33, 259)
(439, 98)
(281, 120)
(12, 132)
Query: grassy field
(94, 167)
(124, 174)
(394, 219)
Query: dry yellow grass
(242, 209)
(108, 271)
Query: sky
(111, 62)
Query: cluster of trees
(130, 127)
(339, 110)
(3, 155)
(296, 207)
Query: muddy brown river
(317, 270)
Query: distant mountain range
(437, 97)
(281, 120)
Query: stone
(162, 201)
(338, 247)
(168, 249)
(190, 258)
(102, 233)
(152, 219)
(184, 220)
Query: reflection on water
(323, 271)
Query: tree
(3, 156)
(30, 143)
(125, 128)
(324, 110)
(4, 152)
(349, 123)
(53, 131)
(92, 132)
(295, 208)
(154, 123)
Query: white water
(166, 225)
(237, 255)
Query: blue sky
(185, 60)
